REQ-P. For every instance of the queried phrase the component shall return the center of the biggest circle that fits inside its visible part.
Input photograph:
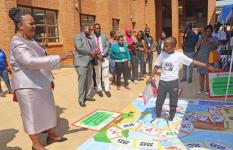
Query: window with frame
(46, 23)
(88, 20)
(115, 24)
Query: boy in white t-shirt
(169, 61)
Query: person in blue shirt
(189, 42)
(4, 69)
(120, 54)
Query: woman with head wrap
(32, 79)
(131, 43)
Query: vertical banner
(218, 83)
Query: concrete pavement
(12, 136)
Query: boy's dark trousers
(165, 87)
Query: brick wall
(6, 25)
(175, 21)
(211, 11)
(150, 17)
(67, 22)
(103, 15)
(50, 4)
(69, 19)
(127, 11)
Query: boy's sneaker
(136, 81)
(199, 92)
(206, 93)
(169, 123)
(202, 92)
(156, 120)
(170, 118)
(158, 116)
(129, 81)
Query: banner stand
(229, 77)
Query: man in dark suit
(85, 51)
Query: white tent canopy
(226, 17)
(223, 3)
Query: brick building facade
(59, 21)
(125, 13)
(172, 15)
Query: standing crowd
(208, 46)
(95, 57)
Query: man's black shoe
(141, 79)
(108, 94)
(182, 80)
(89, 99)
(100, 93)
(190, 80)
(82, 104)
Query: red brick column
(211, 11)
(159, 18)
(175, 20)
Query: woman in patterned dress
(204, 45)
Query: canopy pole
(229, 75)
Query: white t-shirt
(169, 64)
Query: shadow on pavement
(6, 136)
(62, 127)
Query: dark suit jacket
(82, 50)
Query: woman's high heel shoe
(56, 139)
(33, 148)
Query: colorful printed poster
(97, 120)
(218, 84)
(198, 124)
